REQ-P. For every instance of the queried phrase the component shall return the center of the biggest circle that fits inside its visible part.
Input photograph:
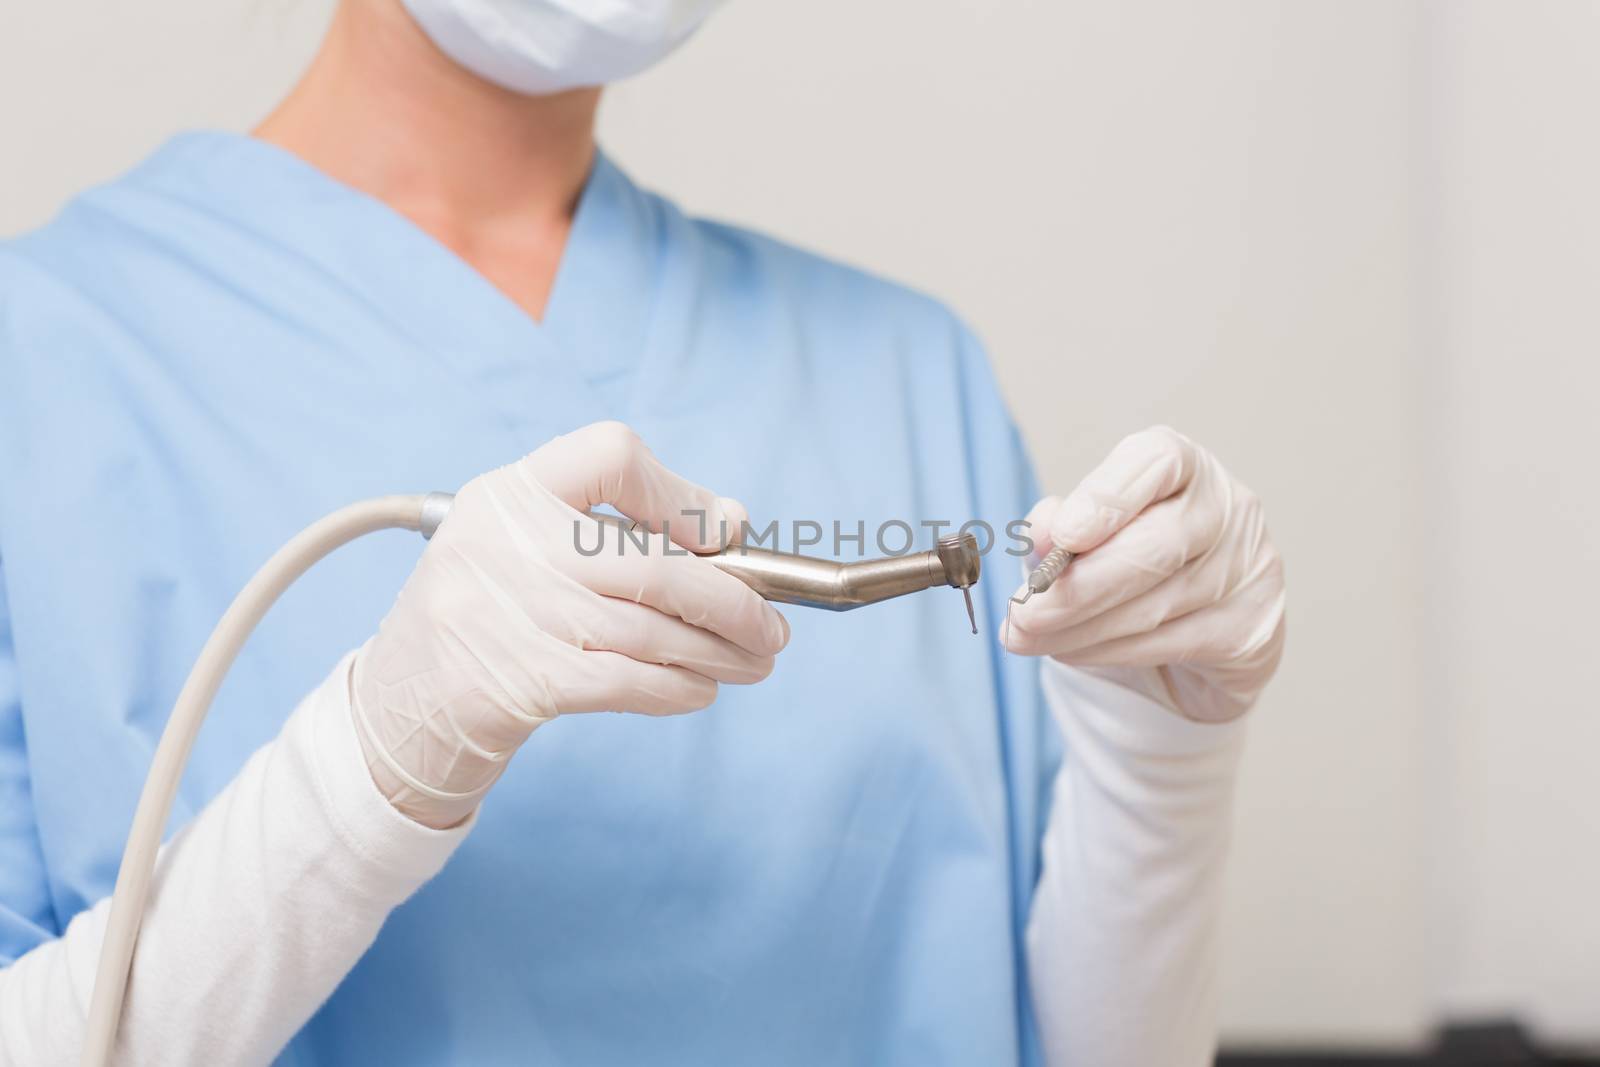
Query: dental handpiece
(790, 578)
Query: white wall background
(1351, 245)
(1512, 314)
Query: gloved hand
(1177, 590)
(506, 624)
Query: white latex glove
(505, 624)
(1177, 591)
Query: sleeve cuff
(394, 854)
(1124, 718)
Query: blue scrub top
(833, 866)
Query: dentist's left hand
(1177, 589)
(512, 618)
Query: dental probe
(1040, 578)
(1045, 574)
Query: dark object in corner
(1485, 1044)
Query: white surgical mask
(545, 46)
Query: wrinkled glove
(1177, 590)
(512, 618)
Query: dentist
(892, 843)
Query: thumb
(607, 463)
(1144, 468)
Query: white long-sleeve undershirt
(259, 907)
(270, 896)
(1122, 940)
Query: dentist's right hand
(506, 623)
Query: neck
(493, 175)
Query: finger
(1213, 660)
(1238, 631)
(607, 463)
(644, 634)
(1148, 466)
(610, 681)
(638, 567)
(1064, 629)
(1037, 524)
(1156, 546)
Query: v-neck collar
(605, 291)
(595, 329)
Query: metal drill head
(961, 559)
(959, 555)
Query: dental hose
(421, 512)
(778, 576)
